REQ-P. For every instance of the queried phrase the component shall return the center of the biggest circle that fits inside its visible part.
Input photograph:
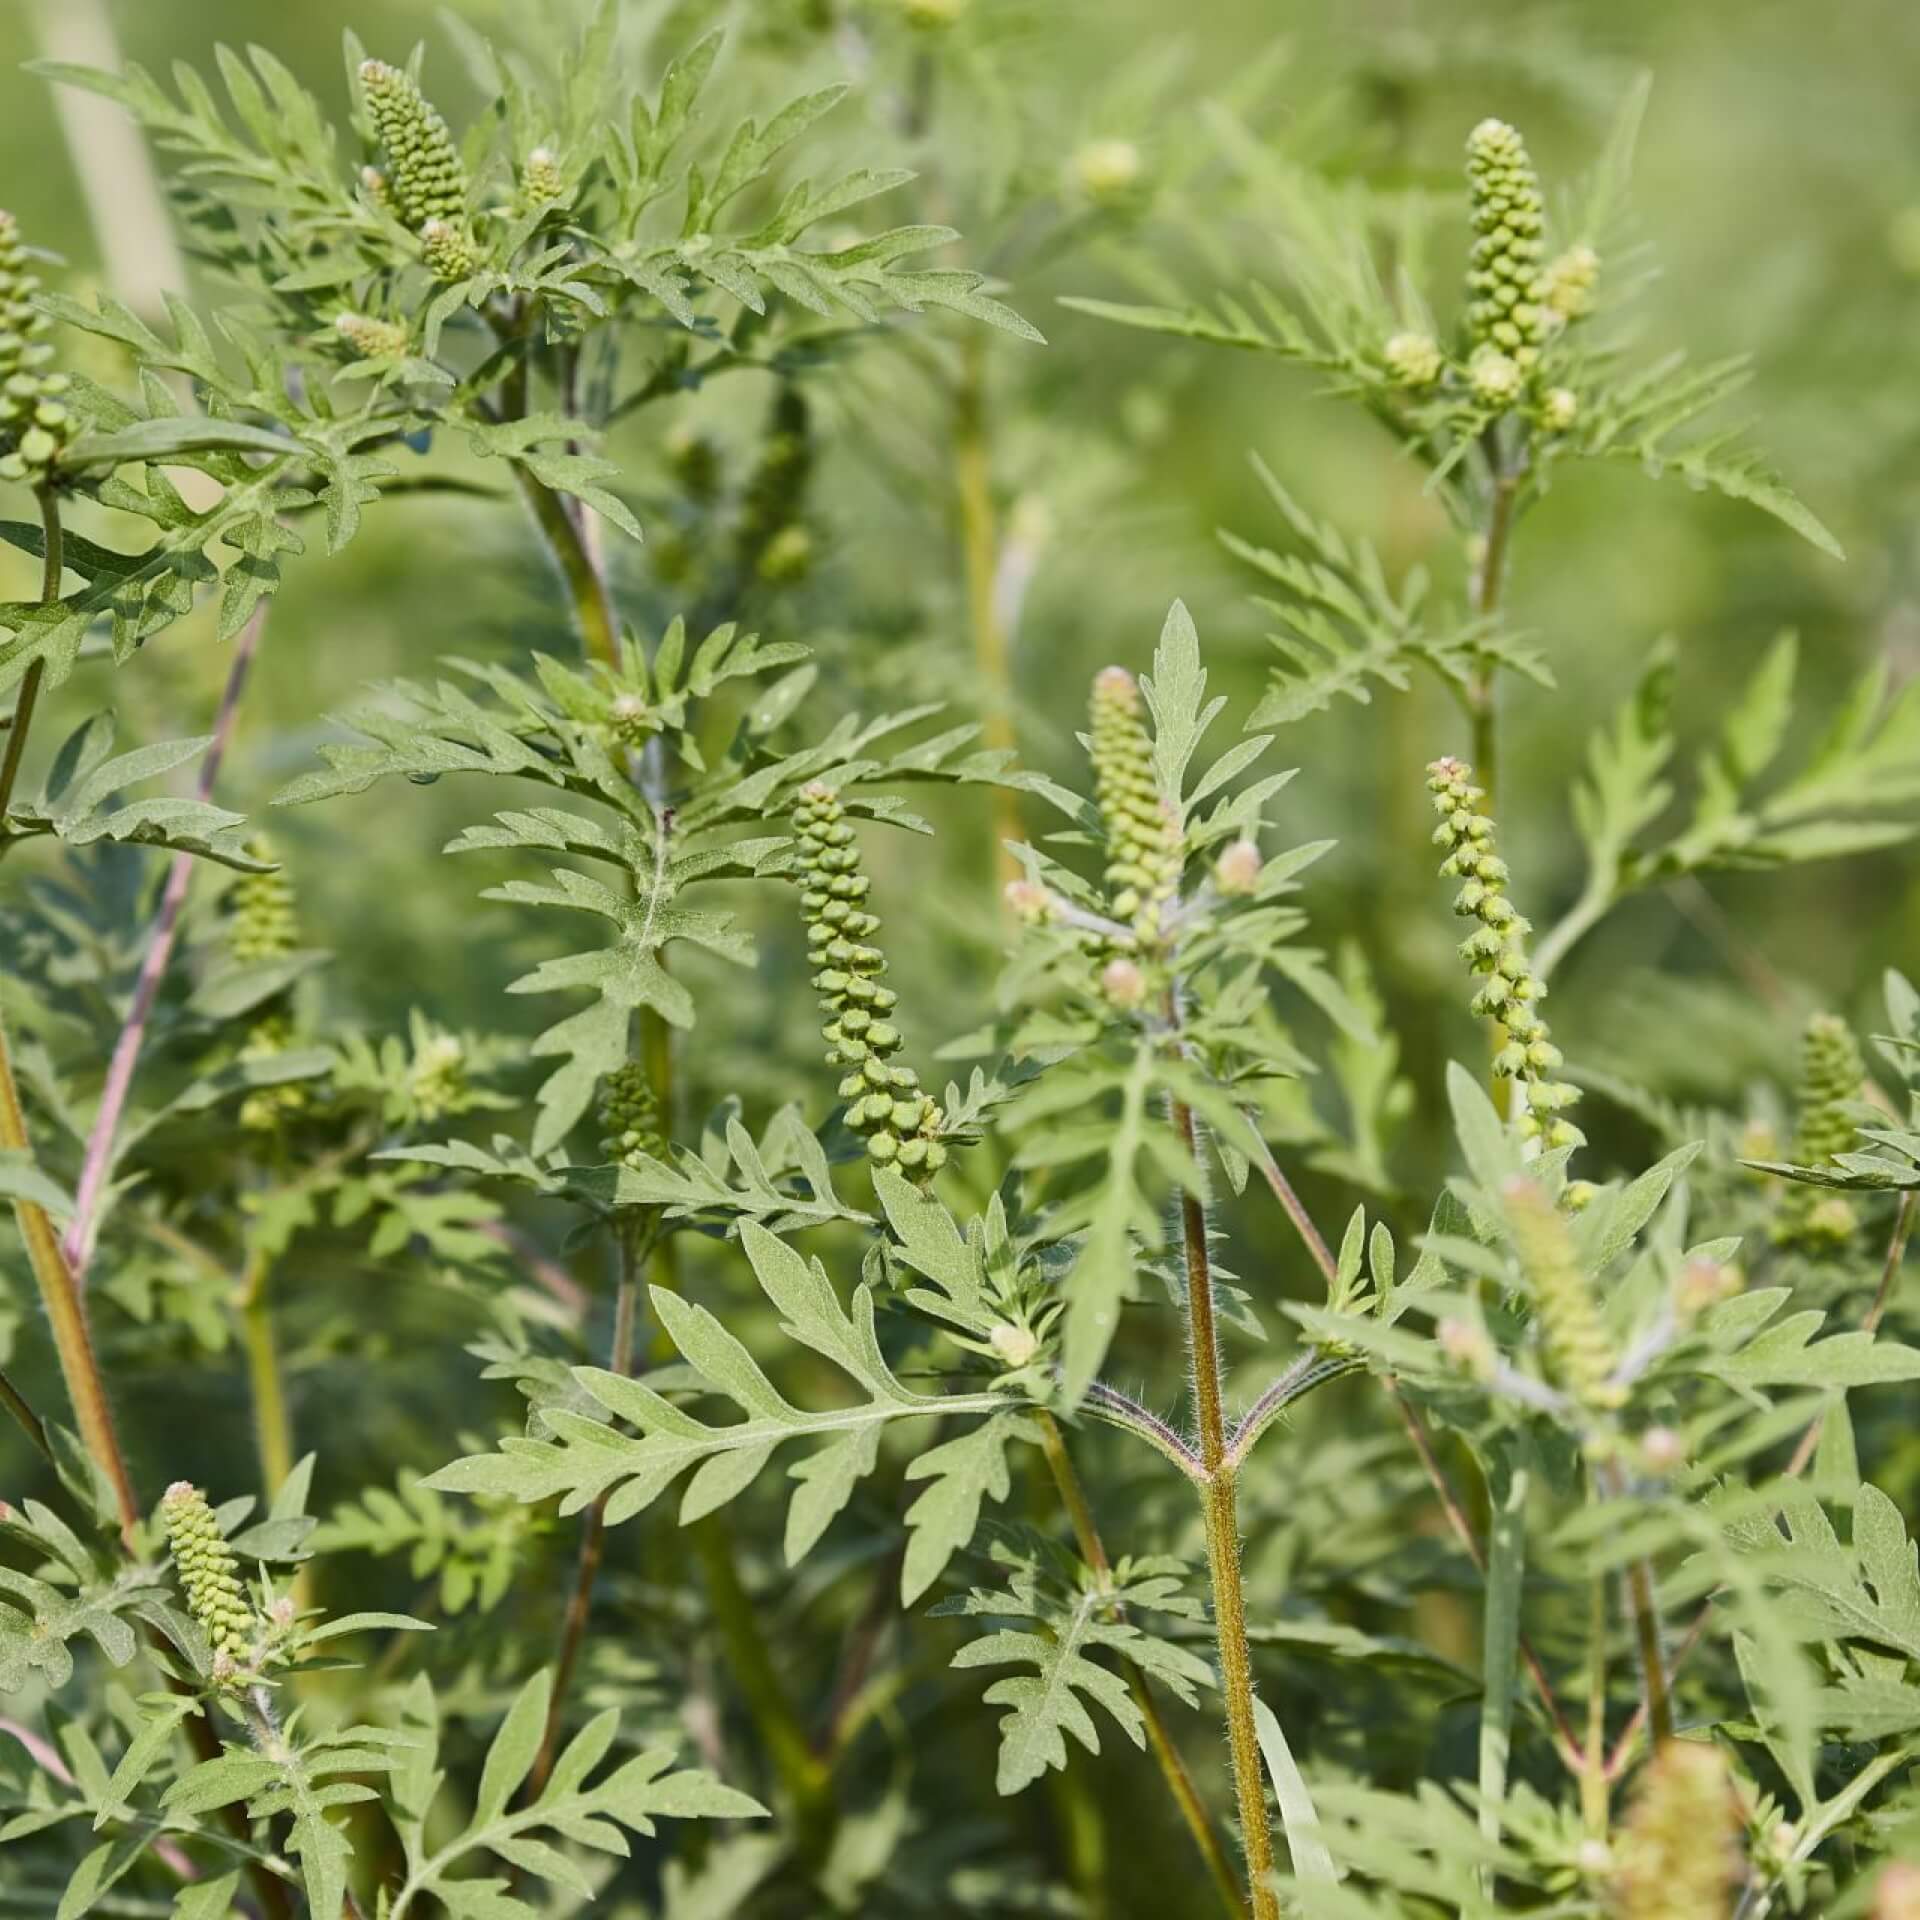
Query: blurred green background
(1778, 182)
(1778, 186)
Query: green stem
(59, 1294)
(1646, 1633)
(266, 1383)
(586, 587)
(980, 550)
(1173, 1769)
(1594, 1782)
(801, 1772)
(593, 1534)
(1220, 1508)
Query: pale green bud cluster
(1679, 1853)
(208, 1573)
(1579, 1352)
(630, 1117)
(1504, 266)
(885, 1105)
(1566, 286)
(262, 918)
(34, 421)
(424, 183)
(1414, 359)
(1510, 990)
(372, 339)
(770, 543)
(424, 178)
(1831, 1073)
(437, 1081)
(263, 925)
(541, 179)
(1107, 172)
(446, 249)
(1143, 836)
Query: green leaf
(1311, 1860)
(586, 1459)
(1070, 1626)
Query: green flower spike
(262, 923)
(769, 537)
(1497, 949)
(630, 1117)
(446, 249)
(34, 421)
(209, 1574)
(541, 179)
(885, 1105)
(424, 180)
(1503, 279)
(1579, 1352)
(1679, 1854)
(1143, 837)
(369, 338)
(1831, 1073)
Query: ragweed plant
(890, 1377)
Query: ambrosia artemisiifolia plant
(1541, 1564)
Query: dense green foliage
(901, 1148)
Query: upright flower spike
(34, 421)
(424, 178)
(1679, 1854)
(1503, 277)
(629, 1116)
(885, 1104)
(208, 1573)
(1511, 991)
(263, 925)
(1831, 1073)
(775, 491)
(1143, 837)
(1579, 1351)
(371, 339)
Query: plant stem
(66, 1311)
(1593, 1777)
(593, 1534)
(1180, 1782)
(266, 1380)
(1565, 1743)
(53, 552)
(980, 548)
(1220, 1508)
(593, 610)
(1646, 1632)
(801, 1771)
(98, 1165)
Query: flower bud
(1237, 871)
(1896, 1893)
(1123, 984)
(1495, 377)
(1029, 902)
(1503, 314)
(1559, 409)
(424, 175)
(1662, 1451)
(208, 1573)
(1413, 359)
(1016, 1345)
(1107, 171)
(1679, 1859)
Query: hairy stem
(1220, 1508)
(1173, 1769)
(98, 1165)
(593, 1533)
